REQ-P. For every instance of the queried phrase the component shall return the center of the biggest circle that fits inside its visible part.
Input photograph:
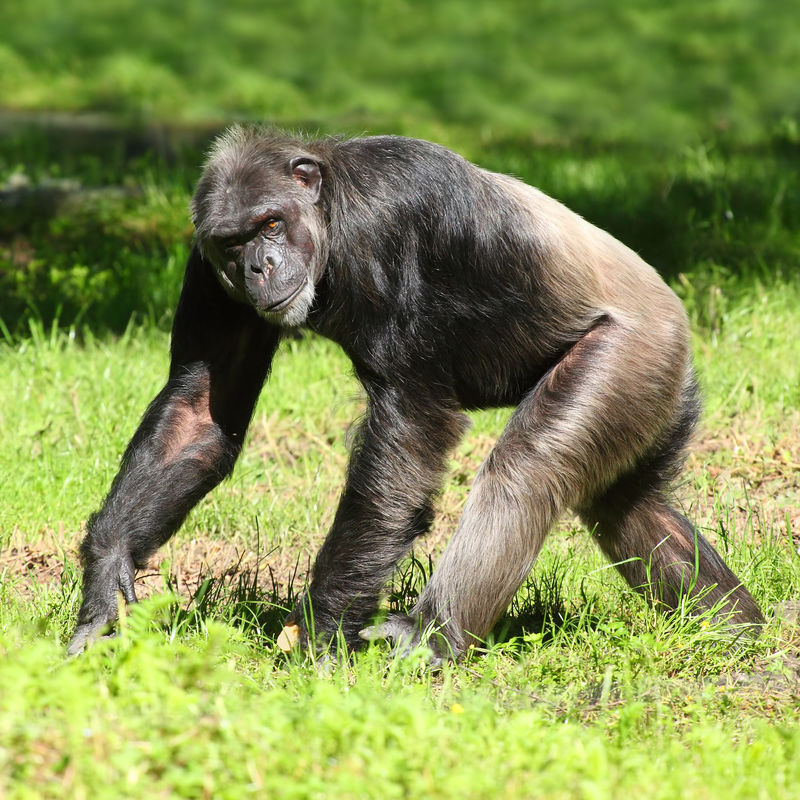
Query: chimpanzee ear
(307, 173)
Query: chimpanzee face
(261, 228)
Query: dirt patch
(756, 474)
(181, 565)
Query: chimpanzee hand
(103, 581)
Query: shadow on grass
(253, 600)
(257, 602)
(95, 227)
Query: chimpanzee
(450, 288)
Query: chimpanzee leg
(654, 547)
(600, 409)
(396, 468)
(187, 441)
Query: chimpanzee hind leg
(654, 547)
(599, 410)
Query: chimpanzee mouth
(286, 301)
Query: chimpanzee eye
(271, 224)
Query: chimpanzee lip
(284, 302)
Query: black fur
(450, 288)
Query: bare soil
(756, 475)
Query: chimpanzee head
(258, 221)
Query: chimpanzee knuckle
(79, 639)
(306, 628)
(94, 622)
(319, 640)
(126, 583)
(87, 637)
(291, 637)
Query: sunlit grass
(666, 125)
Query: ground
(758, 475)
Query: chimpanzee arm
(186, 443)
(395, 470)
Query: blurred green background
(552, 71)
(676, 126)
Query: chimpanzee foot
(102, 583)
(406, 634)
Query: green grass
(217, 716)
(583, 690)
(674, 126)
